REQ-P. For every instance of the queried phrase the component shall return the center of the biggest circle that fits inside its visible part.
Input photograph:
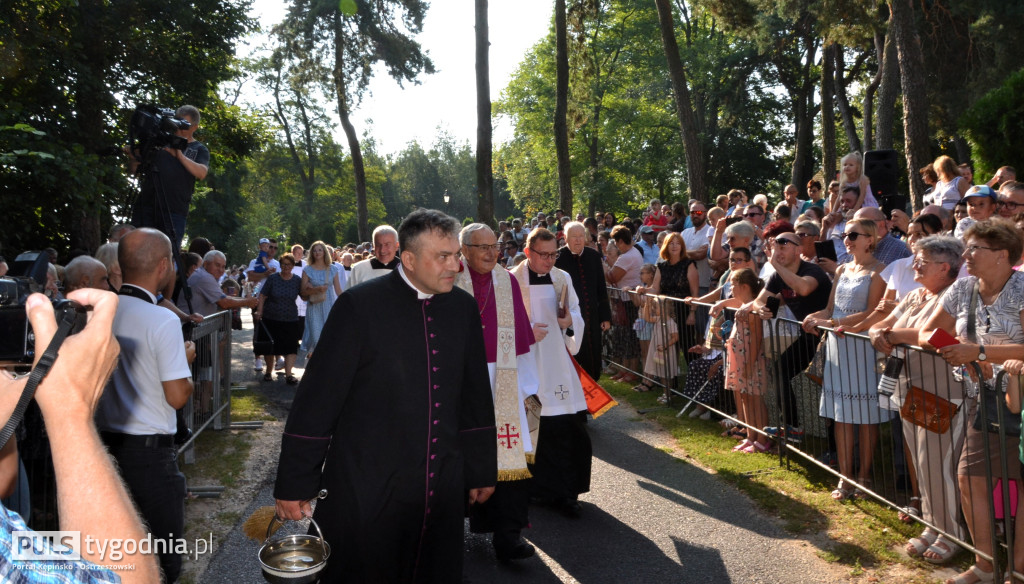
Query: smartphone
(940, 338)
(772, 303)
(825, 249)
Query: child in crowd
(643, 327)
(746, 368)
(263, 258)
(662, 356)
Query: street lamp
(446, 199)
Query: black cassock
(587, 275)
(396, 407)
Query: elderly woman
(933, 456)
(849, 395)
(624, 274)
(280, 314)
(740, 234)
(997, 335)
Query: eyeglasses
(697, 213)
(784, 241)
(920, 263)
(1011, 205)
(853, 235)
(544, 256)
(973, 248)
(484, 246)
(738, 260)
(802, 235)
(752, 214)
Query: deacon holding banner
(513, 374)
(562, 467)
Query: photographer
(177, 172)
(90, 494)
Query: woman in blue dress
(849, 394)
(321, 286)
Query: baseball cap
(646, 229)
(981, 191)
(264, 240)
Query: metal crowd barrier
(822, 393)
(210, 403)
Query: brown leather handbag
(927, 410)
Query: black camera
(26, 275)
(152, 128)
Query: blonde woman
(951, 186)
(849, 393)
(321, 285)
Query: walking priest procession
(442, 389)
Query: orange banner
(598, 400)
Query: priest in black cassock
(394, 419)
(585, 267)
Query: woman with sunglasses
(850, 387)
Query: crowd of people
(502, 327)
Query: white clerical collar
(419, 294)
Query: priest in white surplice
(513, 371)
(563, 452)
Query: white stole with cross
(512, 457)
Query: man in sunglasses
(698, 239)
(804, 288)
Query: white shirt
(271, 263)
(152, 351)
(696, 239)
(899, 276)
(299, 302)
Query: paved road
(650, 517)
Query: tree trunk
(843, 102)
(915, 100)
(695, 172)
(341, 90)
(484, 173)
(561, 109)
(872, 88)
(85, 226)
(828, 116)
(888, 91)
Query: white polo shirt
(152, 351)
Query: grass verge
(862, 534)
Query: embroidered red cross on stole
(508, 438)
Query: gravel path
(650, 517)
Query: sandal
(641, 388)
(909, 513)
(861, 495)
(292, 380)
(757, 447)
(842, 492)
(267, 377)
(918, 545)
(739, 447)
(976, 575)
(942, 550)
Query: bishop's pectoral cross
(561, 392)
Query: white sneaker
(280, 364)
(257, 365)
